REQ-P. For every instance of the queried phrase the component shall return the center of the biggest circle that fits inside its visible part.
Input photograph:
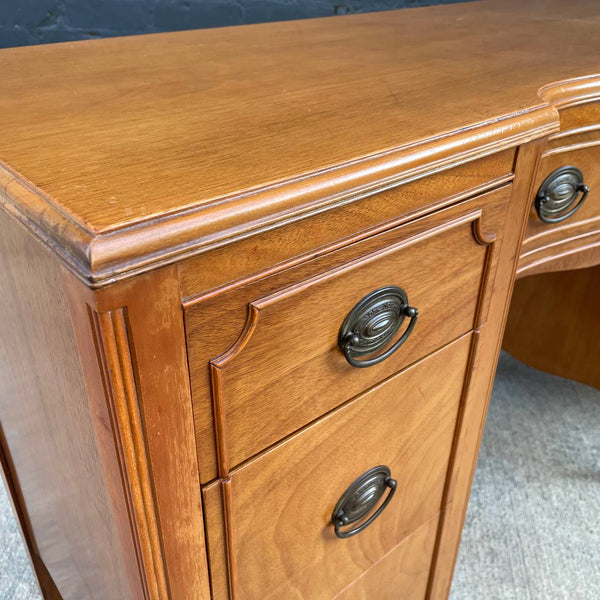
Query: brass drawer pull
(372, 323)
(360, 498)
(558, 194)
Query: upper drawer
(286, 546)
(562, 221)
(284, 368)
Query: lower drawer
(269, 526)
(401, 574)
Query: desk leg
(554, 324)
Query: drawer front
(282, 542)
(575, 236)
(287, 369)
(402, 574)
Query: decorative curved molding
(469, 217)
(471, 220)
(571, 92)
(557, 232)
(484, 238)
(115, 357)
(571, 148)
(578, 233)
(249, 328)
(487, 276)
(218, 366)
(101, 258)
(255, 307)
(574, 131)
(590, 253)
(344, 242)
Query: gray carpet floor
(533, 524)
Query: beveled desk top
(127, 153)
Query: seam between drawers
(321, 417)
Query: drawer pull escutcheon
(360, 498)
(372, 323)
(558, 193)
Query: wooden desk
(205, 234)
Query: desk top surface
(211, 129)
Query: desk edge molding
(100, 258)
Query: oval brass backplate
(361, 497)
(558, 193)
(372, 323)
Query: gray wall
(43, 21)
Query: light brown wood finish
(349, 222)
(576, 240)
(277, 337)
(289, 348)
(107, 512)
(283, 178)
(481, 376)
(138, 151)
(553, 324)
(402, 573)
(60, 467)
(406, 423)
(134, 344)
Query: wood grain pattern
(289, 346)
(139, 151)
(553, 324)
(544, 242)
(402, 573)
(575, 239)
(102, 259)
(99, 494)
(406, 423)
(583, 115)
(218, 212)
(112, 337)
(146, 342)
(54, 434)
(310, 369)
(321, 233)
(565, 95)
(563, 251)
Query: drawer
(548, 244)
(286, 362)
(278, 522)
(402, 574)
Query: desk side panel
(61, 471)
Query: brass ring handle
(558, 193)
(360, 498)
(372, 323)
